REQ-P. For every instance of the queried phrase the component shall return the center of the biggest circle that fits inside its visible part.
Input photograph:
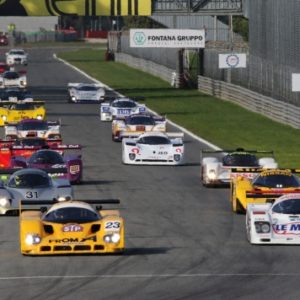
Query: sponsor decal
(287, 229)
(74, 169)
(135, 150)
(72, 228)
(73, 240)
(178, 150)
(123, 111)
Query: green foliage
(241, 26)
(220, 122)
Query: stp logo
(72, 228)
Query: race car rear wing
(76, 84)
(112, 98)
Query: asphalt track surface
(182, 240)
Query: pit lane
(182, 240)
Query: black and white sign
(232, 60)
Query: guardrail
(274, 109)
(150, 67)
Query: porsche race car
(137, 124)
(274, 223)
(31, 184)
(71, 227)
(85, 93)
(15, 112)
(120, 107)
(265, 187)
(216, 165)
(13, 79)
(154, 148)
(16, 57)
(33, 128)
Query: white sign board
(167, 38)
(295, 82)
(232, 60)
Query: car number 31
(30, 195)
(112, 225)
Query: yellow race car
(70, 227)
(11, 112)
(266, 186)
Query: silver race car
(119, 108)
(85, 93)
(16, 56)
(13, 79)
(31, 184)
(153, 148)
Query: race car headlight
(177, 157)
(212, 174)
(23, 82)
(4, 202)
(4, 118)
(62, 199)
(39, 117)
(132, 156)
(73, 98)
(32, 239)
(112, 238)
(262, 227)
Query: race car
(15, 112)
(31, 184)
(134, 125)
(154, 148)
(13, 79)
(15, 94)
(274, 223)
(3, 40)
(120, 107)
(216, 167)
(16, 57)
(71, 227)
(85, 93)
(33, 128)
(266, 186)
(56, 157)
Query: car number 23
(112, 225)
(31, 195)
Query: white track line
(194, 136)
(146, 276)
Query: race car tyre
(236, 206)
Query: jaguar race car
(265, 187)
(31, 184)
(120, 107)
(16, 57)
(15, 112)
(85, 93)
(154, 148)
(13, 79)
(216, 165)
(71, 227)
(134, 125)
(274, 223)
(33, 128)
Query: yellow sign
(75, 7)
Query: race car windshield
(11, 75)
(32, 142)
(77, 215)
(46, 157)
(241, 160)
(29, 181)
(277, 181)
(87, 88)
(22, 106)
(154, 140)
(289, 207)
(124, 104)
(16, 52)
(140, 121)
(32, 126)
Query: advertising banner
(75, 7)
(232, 60)
(167, 38)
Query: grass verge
(220, 122)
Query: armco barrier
(274, 109)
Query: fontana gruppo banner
(75, 7)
